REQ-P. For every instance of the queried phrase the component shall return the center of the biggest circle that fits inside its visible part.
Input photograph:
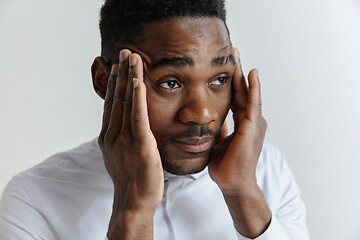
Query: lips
(195, 144)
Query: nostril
(197, 114)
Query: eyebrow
(220, 61)
(188, 61)
(176, 62)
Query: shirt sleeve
(284, 199)
(274, 232)
(18, 218)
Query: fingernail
(121, 56)
(236, 53)
(132, 61)
(113, 70)
(135, 82)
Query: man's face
(188, 66)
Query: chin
(184, 166)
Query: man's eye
(170, 85)
(219, 81)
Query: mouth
(195, 144)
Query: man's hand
(130, 152)
(234, 160)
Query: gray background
(308, 55)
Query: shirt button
(172, 197)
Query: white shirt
(70, 195)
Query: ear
(100, 72)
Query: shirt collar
(194, 176)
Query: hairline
(140, 39)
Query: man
(169, 75)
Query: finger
(117, 105)
(243, 83)
(109, 99)
(264, 124)
(239, 84)
(139, 115)
(254, 108)
(135, 71)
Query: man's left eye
(219, 81)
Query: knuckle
(124, 141)
(121, 70)
(107, 103)
(121, 139)
(136, 117)
(108, 138)
(127, 101)
(102, 134)
(264, 123)
(117, 98)
(112, 82)
(263, 120)
(101, 139)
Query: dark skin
(165, 105)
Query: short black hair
(122, 21)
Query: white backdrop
(308, 54)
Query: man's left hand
(234, 160)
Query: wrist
(249, 211)
(131, 224)
(243, 186)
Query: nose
(197, 108)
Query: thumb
(224, 131)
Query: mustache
(194, 131)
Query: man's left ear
(100, 72)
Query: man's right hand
(130, 151)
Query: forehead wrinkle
(179, 49)
(171, 55)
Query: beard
(194, 162)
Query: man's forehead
(186, 40)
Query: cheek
(161, 114)
(223, 103)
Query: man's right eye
(170, 84)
